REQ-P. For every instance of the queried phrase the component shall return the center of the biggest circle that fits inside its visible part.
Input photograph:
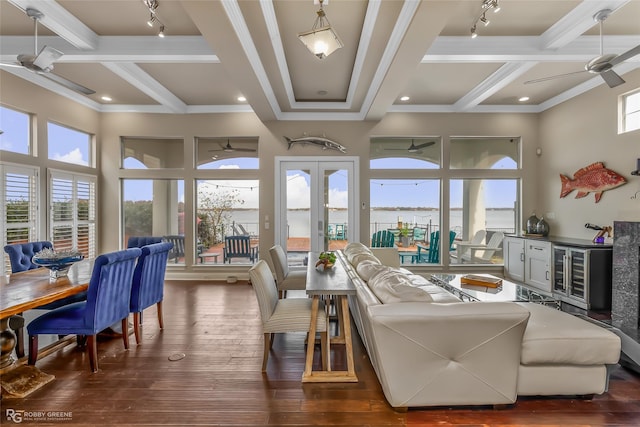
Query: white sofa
(430, 349)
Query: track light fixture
(487, 5)
(321, 40)
(152, 5)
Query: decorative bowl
(58, 263)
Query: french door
(315, 204)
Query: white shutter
(73, 212)
(19, 207)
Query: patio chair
(178, 247)
(462, 246)
(238, 247)
(383, 239)
(419, 234)
(283, 315)
(140, 241)
(484, 253)
(432, 254)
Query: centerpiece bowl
(326, 260)
(58, 263)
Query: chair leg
(160, 320)
(33, 349)
(267, 346)
(136, 326)
(92, 344)
(125, 332)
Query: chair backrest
(434, 248)
(148, 277)
(140, 241)
(452, 237)
(419, 234)
(478, 238)
(20, 254)
(280, 263)
(237, 246)
(178, 245)
(382, 239)
(265, 289)
(109, 290)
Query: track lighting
(487, 5)
(152, 5)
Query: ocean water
(298, 220)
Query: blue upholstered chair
(108, 301)
(148, 283)
(20, 254)
(140, 241)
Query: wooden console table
(335, 284)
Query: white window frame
(76, 180)
(10, 185)
(624, 114)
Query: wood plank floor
(219, 381)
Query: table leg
(351, 371)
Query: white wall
(575, 134)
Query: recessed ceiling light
(322, 92)
(404, 98)
(106, 98)
(523, 99)
(241, 98)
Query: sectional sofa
(430, 349)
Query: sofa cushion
(390, 286)
(368, 268)
(358, 258)
(556, 337)
(439, 294)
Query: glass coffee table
(509, 291)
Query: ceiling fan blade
(248, 150)
(612, 78)
(626, 55)
(544, 79)
(47, 56)
(426, 144)
(67, 83)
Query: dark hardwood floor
(219, 381)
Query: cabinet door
(537, 265)
(513, 248)
(578, 266)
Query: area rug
(23, 380)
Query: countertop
(567, 241)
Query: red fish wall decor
(594, 178)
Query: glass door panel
(297, 215)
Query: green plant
(328, 256)
(404, 232)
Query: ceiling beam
(147, 84)
(60, 21)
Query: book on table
(476, 280)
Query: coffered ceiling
(215, 51)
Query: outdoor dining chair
(148, 283)
(283, 315)
(108, 298)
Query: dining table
(29, 290)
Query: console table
(333, 283)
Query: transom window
(69, 145)
(631, 111)
(14, 131)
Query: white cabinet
(513, 249)
(528, 261)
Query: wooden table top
(30, 289)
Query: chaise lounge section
(430, 349)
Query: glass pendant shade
(322, 42)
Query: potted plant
(404, 236)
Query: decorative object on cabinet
(594, 178)
(532, 223)
(542, 227)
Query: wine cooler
(582, 277)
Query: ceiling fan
(42, 62)
(230, 149)
(413, 148)
(603, 64)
